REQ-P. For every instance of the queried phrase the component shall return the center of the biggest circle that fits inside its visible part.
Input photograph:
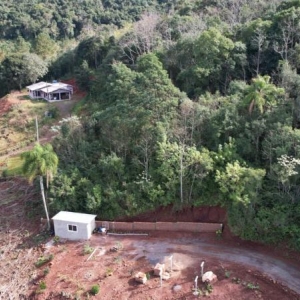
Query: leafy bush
(87, 249)
(252, 286)
(42, 285)
(56, 240)
(95, 289)
(219, 233)
(41, 288)
(53, 112)
(227, 274)
(43, 260)
(109, 272)
(46, 271)
(209, 288)
(236, 280)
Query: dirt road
(185, 249)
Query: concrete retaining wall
(163, 226)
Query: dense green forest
(189, 103)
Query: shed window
(72, 227)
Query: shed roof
(73, 217)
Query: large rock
(140, 277)
(159, 268)
(209, 277)
(177, 288)
(165, 276)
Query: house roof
(74, 217)
(38, 86)
(49, 87)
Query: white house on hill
(50, 91)
(74, 226)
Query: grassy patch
(14, 166)
(87, 249)
(40, 238)
(43, 260)
(79, 106)
(95, 289)
(18, 123)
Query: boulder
(157, 269)
(140, 277)
(209, 277)
(165, 276)
(177, 288)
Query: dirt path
(287, 274)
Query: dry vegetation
(17, 121)
(19, 237)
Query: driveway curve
(157, 250)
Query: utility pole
(41, 178)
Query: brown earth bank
(212, 214)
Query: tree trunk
(181, 174)
(44, 201)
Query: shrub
(109, 272)
(54, 112)
(227, 274)
(252, 286)
(43, 260)
(42, 285)
(209, 288)
(56, 240)
(87, 249)
(95, 289)
(46, 271)
(5, 173)
(219, 233)
(236, 280)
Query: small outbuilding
(74, 226)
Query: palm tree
(262, 94)
(40, 161)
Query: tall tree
(262, 94)
(40, 161)
(44, 46)
(18, 70)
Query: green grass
(43, 260)
(14, 166)
(18, 124)
(79, 106)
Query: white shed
(74, 226)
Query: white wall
(83, 232)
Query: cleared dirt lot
(242, 274)
(245, 270)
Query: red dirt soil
(72, 274)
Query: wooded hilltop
(188, 103)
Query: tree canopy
(188, 103)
